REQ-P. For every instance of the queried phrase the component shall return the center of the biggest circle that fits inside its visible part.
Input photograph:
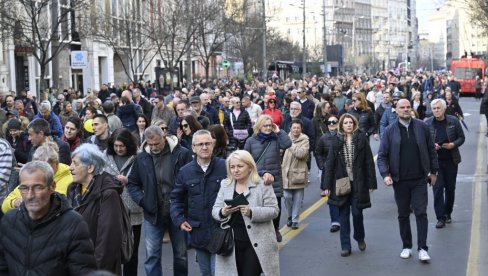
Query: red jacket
(275, 114)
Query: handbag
(222, 242)
(343, 186)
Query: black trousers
(130, 268)
(412, 193)
(247, 261)
(276, 221)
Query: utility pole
(325, 42)
(264, 41)
(304, 45)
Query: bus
(465, 70)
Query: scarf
(267, 137)
(78, 196)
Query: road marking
(466, 114)
(474, 247)
(291, 234)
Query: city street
(458, 249)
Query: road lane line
(291, 234)
(474, 249)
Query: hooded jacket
(102, 212)
(57, 245)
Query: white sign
(79, 59)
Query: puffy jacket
(58, 245)
(389, 152)
(62, 178)
(102, 212)
(363, 170)
(193, 197)
(455, 134)
(270, 162)
(275, 114)
(142, 178)
(243, 122)
(365, 119)
(128, 115)
(54, 124)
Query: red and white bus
(465, 70)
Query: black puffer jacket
(365, 121)
(57, 245)
(242, 122)
(363, 170)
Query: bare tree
(280, 48)
(478, 11)
(46, 27)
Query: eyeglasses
(164, 128)
(36, 188)
(331, 122)
(185, 125)
(206, 144)
(268, 125)
(272, 102)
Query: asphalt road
(457, 249)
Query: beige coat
(264, 207)
(294, 166)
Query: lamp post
(264, 41)
(324, 52)
(304, 45)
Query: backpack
(127, 244)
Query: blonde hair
(260, 122)
(246, 158)
(48, 152)
(364, 104)
(341, 121)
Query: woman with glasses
(363, 114)
(273, 111)
(120, 155)
(188, 126)
(350, 159)
(321, 152)
(265, 146)
(237, 124)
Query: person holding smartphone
(255, 249)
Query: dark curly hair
(125, 136)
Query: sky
(424, 9)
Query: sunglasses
(272, 102)
(331, 123)
(185, 125)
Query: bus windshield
(465, 73)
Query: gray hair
(296, 104)
(153, 131)
(45, 105)
(202, 132)
(89, 154)
(441, 101)
(48, 152)
(44, 167)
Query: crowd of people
(72, 164)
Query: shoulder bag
(222, 241)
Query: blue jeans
(293, 202)
(206, 262)
(351, 206)
(334, 215)
(445, 189)
(154, 243)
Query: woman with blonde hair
(363, 114)
(265, 146)
(350, 160)
(255, 249)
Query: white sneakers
(406, 253)
(423, 255)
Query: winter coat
(389, 152)
(242, 122)
(63, 116)
(275, 114)
(271, 160)
(128, 115)
(455, 135)
(322, 151)
(135, 211)
(146, 106)
(259, 227)
(454, 108)
(165, 116)
(365, 119)
(294, 166)
(308, 107)
(364, 173)
(193, 197)
(307, 127)
(142, 178)
(389, 117)
(21, 146)
(319, 127)
(64, 152)
(54, 124)
(102, 212)
(57, 245)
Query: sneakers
(288, 223)
(294, 226)
(423, 255)
(406, 253)
(448, 219)
(346, 252)
(440, 224)
(334, 228)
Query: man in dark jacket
(308, 106)
(193, 196)
(44, 218)
(296, 113)
(406, 159)
(151, 181)
(448, 136)
(146, 106)
(40, 132)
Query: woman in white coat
(255, 249)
